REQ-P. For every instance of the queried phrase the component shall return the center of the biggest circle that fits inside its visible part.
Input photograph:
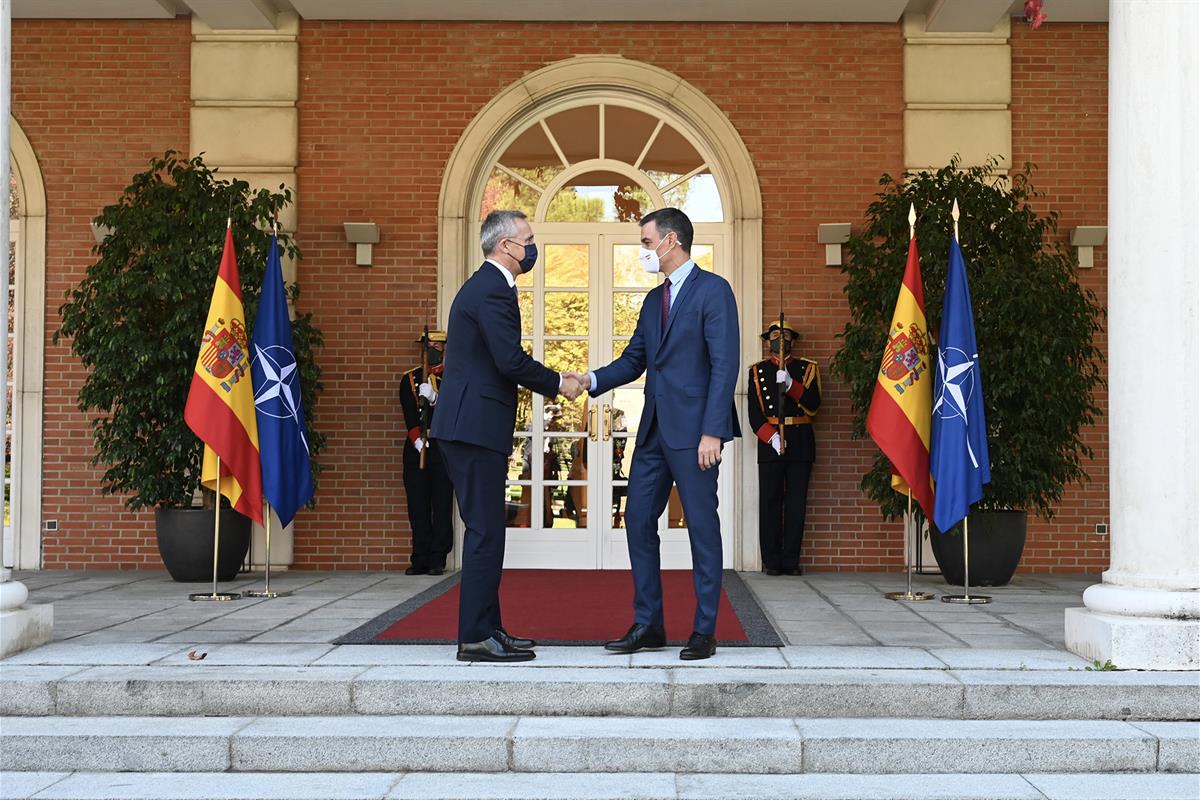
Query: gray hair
(496, 226)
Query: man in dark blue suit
(686, 341)
(474, 419)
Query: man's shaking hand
(571, 386)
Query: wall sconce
(833, 236)
(100, 232)
(362, 235)
(1084, 238)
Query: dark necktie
(666, 298)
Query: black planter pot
(185, 542)
(996, 541)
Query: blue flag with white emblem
(286, 473)
(958, 458)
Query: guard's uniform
(430, 493)
(783, 479)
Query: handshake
(574, 384)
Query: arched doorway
(27, 320)
(586, 147)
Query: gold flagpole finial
(912, 221)
(954, 214)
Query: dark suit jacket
(692, 370)
(484, 364)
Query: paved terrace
(823, 609)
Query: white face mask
(649, 259)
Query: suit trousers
(782, 500)
(478, 475)
(430, 506)
(655, 468)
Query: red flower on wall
(1034, 13)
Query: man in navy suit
(474, 419)
(686, 341)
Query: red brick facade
(382, 105)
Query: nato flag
(958, 458)
(287, 476)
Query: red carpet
(567, 607)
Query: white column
(1146, 613)
(21, 626)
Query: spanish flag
(902, 405)
(220, 404)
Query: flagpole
(216, 550)
(266, 590)
(911, 561)
(966, 598)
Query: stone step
(198, 689)
(593, 786)
(593, 745)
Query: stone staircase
(801, 723)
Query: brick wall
(97, 99)
(1060, 123)
(382, 107)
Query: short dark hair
(668, 220)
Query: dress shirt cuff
(592, 378)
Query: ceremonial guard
(430, 493)
(783, 396)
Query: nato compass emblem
(957, 373)
(279, 390)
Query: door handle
(607, 422)
(594, 423)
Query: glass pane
(627, 403)
(577, 132)
(505, 192)
(600, 197)
(619, 346)
(566, 314)
(627, 269)
(562, 414)
(567, 266)
(698, 198)
(675, 517)
(525, 302)
(670, 156)
(622, 458)
(517, 508)
(626, 132)
(525, 280)
(619, 495)
(626, 307)
(532, 156)
(564, 458)
(566, 506)
(518, 460)
(702, 254)
(524, 410)
(570, 355)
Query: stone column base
(1134, 642)
(25, 628)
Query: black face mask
(775, 343)
(433, 355)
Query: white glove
(784, 377)
(420, 444)
(426, 391)
(776, 443)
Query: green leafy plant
(136, 319)
(1107, 666)
(1034, 323)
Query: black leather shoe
(416, 571)
(772, 572)
(794, 571)
(700, 645)
(491, 649)
(436, 571)
(514, 642)
(639, 637)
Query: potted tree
(1035, 327)
(135, 321)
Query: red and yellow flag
(901, 407)
(220, 403)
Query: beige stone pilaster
(245, 84)
(957, 95)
